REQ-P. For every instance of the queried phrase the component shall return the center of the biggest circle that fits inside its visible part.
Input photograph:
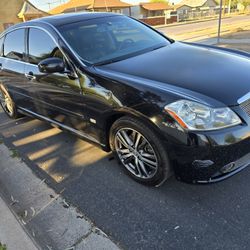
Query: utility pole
(219, 25)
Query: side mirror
(52, 65)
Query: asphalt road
(174, 216)
(187, 28)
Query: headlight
(196, 116)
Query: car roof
(62, 19)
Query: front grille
(246, 106)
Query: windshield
(103, 40)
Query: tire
(7, 103)
(146, 160)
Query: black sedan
(163, 107)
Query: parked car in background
(161, 106)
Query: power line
(58, 2)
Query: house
(154, 9)
(116, 6)
(193, 8)
(9, 10)
(198, 5)
(8, 13)
(182, 9)
(29, 12)
(155, 13)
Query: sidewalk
(11, 232)
(51, 222)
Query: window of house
(14, 45)
(116, 11)
(41, 46)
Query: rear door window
(14, 47)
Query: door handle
(30, 76)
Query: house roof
(109, 4)
(29, 9)
(176, 6)
(193, 3)
(156, 6)
(70, 5)
(89, 5)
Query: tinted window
(102, 39)
(14, 45)
(41, 46)
(1, 46)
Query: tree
(226, 2)
(245, 3)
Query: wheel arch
(111, 119)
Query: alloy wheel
(6, 102)
(136, 153)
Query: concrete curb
(12, 233)
(48, 219)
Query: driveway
(174, 216)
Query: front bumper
(210, 163)
(228, 170)
(212, 156)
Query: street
(174, 216)
(206, 29)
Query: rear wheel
(140, 151)
(7, 103)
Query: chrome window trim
(17, 61)
(244, 98)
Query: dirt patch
(245, 34)
(239, 33)
(243, 47)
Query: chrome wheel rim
(136, 153)
(6, 102)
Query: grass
(2, 247)
(14, 154)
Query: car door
(56, 96)
(12, 64)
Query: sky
(49, 4)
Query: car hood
(217, 74)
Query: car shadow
(138, 216)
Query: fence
(154, 21)
(189, 16)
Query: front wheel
(140, 151)
(7, 103)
